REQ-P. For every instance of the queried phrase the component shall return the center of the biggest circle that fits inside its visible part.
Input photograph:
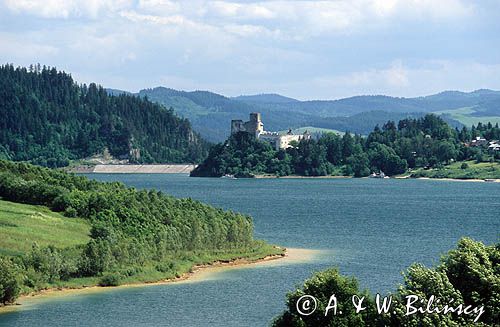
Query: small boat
(490, 180)
(228, 176)
(378, 175)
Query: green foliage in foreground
(469, 274)
(412, 143)
(9, 285)
(133, 234)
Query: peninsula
(423, 147)
(59, 230)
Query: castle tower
(255, 124)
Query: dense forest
(393, 148)
(131, 231)
(48, 119)
(468, 274)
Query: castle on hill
(255, 127)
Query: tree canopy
(468, 275)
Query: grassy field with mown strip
(23, 224)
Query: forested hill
(424, 143)
(48, 119)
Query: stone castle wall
(255, 127)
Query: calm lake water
(370, 228)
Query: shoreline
(197, 273)
(187, 168)
(475, 180)
(487, 180)
(300, 176)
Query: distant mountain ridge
(210, 113)
(265, 98)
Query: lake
(370, 228)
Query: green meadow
(465, 116)
(23, 224)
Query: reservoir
(372, 229)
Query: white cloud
(242, 10)
(398, 79)
(12, 47)
(310, 17)
(308, 49)
(441, 9)
(158, 7)
(65, 8)
(161, 20)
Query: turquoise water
(370, 228)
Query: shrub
(9, 285)
(112, 279)
(165, 267)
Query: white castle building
(255, 127)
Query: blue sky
(302, 49)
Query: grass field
(483, 170)
(23, 224)
(464, 115)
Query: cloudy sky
(302, 49)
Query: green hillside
(23, 224)
(469, 116)
(49, 119)
(427, 145)
(211, 113)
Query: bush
(70, 212)
(464, 165)
(9, 285)
(165, 267)
(112, 279)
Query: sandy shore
(396, 177)
(459, 180)
(198, 274)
